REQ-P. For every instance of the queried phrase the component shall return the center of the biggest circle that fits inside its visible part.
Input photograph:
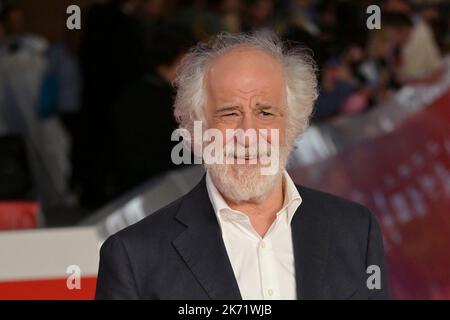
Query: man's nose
(248, 123)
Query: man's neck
(262, 213)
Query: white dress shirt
(264, 267)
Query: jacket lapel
(310, 236)
(202, 248)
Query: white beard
(244, 182)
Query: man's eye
(265, 113)
(231, 114)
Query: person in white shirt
(242, 234)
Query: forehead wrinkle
(248, 91)
(256, 101)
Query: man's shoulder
(160, 224)
(317, 196)
(334, 208)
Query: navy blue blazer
(178, 252)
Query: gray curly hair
(298, 66)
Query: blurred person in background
(364, 78)
(24, 62)
(335, 88)
(362, 69)
(298, 22)
(436, 17)
(231, 12)
(378, 68)
(111, 59)
(258, 14)
(419, 57)
(153, 13)
(344, 84)
(141, 149)
(202, 18)
(327, 27)
(16, 37)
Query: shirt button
(270, 292)
(263, 244)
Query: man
(241, 234)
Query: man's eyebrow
(264, 106)
(227, 108)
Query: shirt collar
(292, 199)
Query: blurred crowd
(82, 126)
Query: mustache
(233, 150)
